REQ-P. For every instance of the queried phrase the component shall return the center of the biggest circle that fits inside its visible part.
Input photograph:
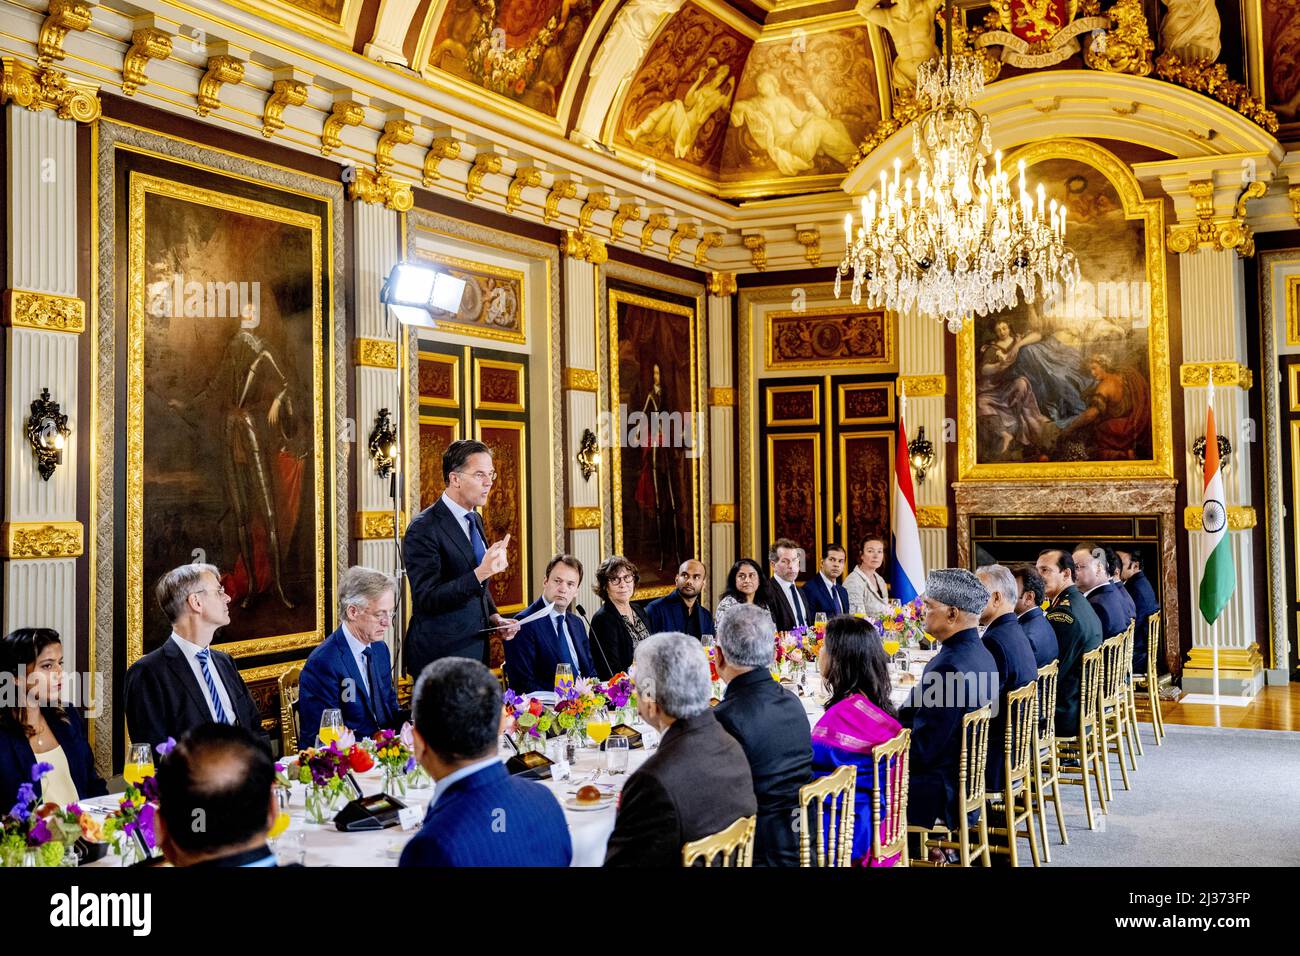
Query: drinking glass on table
(563, 678)
(139, 765)
(598, 725)
(616, 751)
(331, 726)
(819, 621)
(290, 848)
(556, 751)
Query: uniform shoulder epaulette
(1060, 616)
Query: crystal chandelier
(956, 242)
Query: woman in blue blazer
(39, 730)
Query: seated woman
(744, 586)
(858, 716)
(39, 729)
(619, 626)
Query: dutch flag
(907, 578)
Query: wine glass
(331, 726)
(563, 678)
(598, 725)
(819, 621)
(139, 765)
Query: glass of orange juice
(598, 725)
(331, 726)
(139, 765)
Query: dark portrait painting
(654, 436)
(1069, 383)
(224, 379)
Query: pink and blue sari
(847, 734)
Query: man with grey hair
(351, 670)
(770, 724)
(698, 782)
(185, 683)
(1007, 641)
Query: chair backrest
(288, 684)
(1089, 689)
(1047, 676)
(1126, 660)
(889, 836)
(974, 757)
(831, 825)
(737, 840)
(1018, 745)
(1112, 668)
(1153, 645)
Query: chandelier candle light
(956, 241)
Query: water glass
(616, 751)
(291, 847)
(557, 753)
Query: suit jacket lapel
(454, 531)
(181, 669)
(350, 666)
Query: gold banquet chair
(970, 797)
(1019, 766)
(1047, 773)
(735, 841)
(889, 836)
(1084, 749)
(288, 685)
(1130, 701)
(1111, 711)
(1150, 681)
(831, 798)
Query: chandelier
(957, 241)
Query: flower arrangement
(528, 721)
(579, 703)
(130, 829)
(324, 772)
(795, 648)
(620, 691)
(397, 760)
(904, 623)
(43, 835)
(418, 777)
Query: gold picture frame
(812, 388)
(886, 363)
(482, 405)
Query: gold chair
(1150, 681)
(889, 836)
(970, 797)
(1130, 702)
(1111, 711)
(1019, 764)
(1047, 769)
(289, 735)
(837, 790)
(500, 675)
(737, 839)
(1083, 751)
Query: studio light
(417, 293)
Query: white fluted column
(722, 430)
(921, 379)
(585, 514)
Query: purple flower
(166, 747)
(279, 767)
(40, 770)
(410, 764)
(512, 700)
(72, 809)
(39, 834)
(149, 789)
(143, 825)
(26, 797)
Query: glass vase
(394, 781)
(320, 804)
(419, 779)
(129, 851)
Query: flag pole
(1214, 627)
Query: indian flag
(1218, 573)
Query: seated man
(1117, 582)
(1006, 641)
(184, 683)
(479, 815)
(1145, 604)
(219, 776)
(785, 599)
(698, 782)
(1033, 621)
(1090, 574)
(1077, 631)
(962, 677)
(823, 592)
(770, 724)
(681, 609)
(558, 638)
(351, 670)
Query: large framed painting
(227, 286)
(1077, 387)
(654, 375)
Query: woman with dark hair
(619, 626)
(744, 586)
(35, 728)
(859, 716)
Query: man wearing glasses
(449, 562)
(351, 670)
(185, 683)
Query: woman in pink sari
(859, 715)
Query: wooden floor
(1276, 708)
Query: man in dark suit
(220, 776)
(185, 682)
(557, 638)
(962, 677)
(1078, 631)
(1145, 603)
(681, 610)
(1113, 576)
(479, 815)
(785, 600)
(772, 727)
(1094, 583)
(448, 563)
(1029, 608)
(823, 593)
(698, 782)
(1006, 641)
(351, 670)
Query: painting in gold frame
(1081, 387)
(493, 307)
(656, 486)
(237, 396)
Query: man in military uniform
(1078, 631)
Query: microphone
(591, 637)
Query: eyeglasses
(623, 579)
(383, 617)
(480, 476)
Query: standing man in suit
(1078, 631)
(448, 563)
(1006, 641)
(1144, 602)
(479, 814)
(185, 683)
(558, 638)
(1094, 582)
(786, 602)
(1033, 621)
(823, 592)
(681, 610)
(351, 670)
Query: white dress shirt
(835, 595)
(357, 649)
(459, 514)
(191, 652)
(796, 602)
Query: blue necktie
(835, 595)
(560, 633)
(798, 607)
(475, 539)
(378, 701)
(202, 657)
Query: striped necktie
(202, 657)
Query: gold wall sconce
(588, 454)
(48, 433)
(920, 452)
(383, 445)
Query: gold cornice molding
(525, 177)
(1217, 234)
(397, 132)
(147, 43)
(484, 163)
(628, 211)
(44, 311)
(221, 70)
(655, 221)
(376, 353)
(560, 189)
(596, 202)
(757, 245)
(1293, 194)
(811, 240)
(442, 147)
(921, 386)
(722, 397)
(710, 240)
(684, 230)
(1226, 375)
(284, 93)
(583, 519)
(722, 513)
(380, 189)
(722, 283)
(47, 89)
(1240, 517)
(42, 539)
(932, 516)
(63, 15)
(373, 525)
(345, 113)
(581, 380)
(584, 247)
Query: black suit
(1111, 609)
(164, 699)
(451, 609)
(1005, 639)
(772, 727)
(1041, 636)
(1145, 605)
(778, 602)
(697, 783)
(611, 642)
